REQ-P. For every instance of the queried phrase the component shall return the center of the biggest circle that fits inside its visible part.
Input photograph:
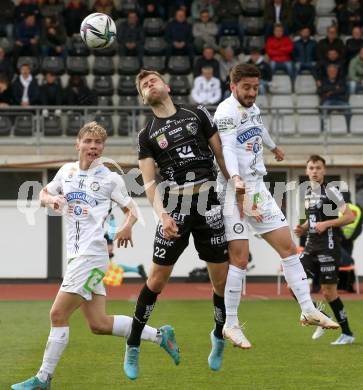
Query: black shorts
(198, 214)
(325, 265)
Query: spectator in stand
(353, 44)
(7, 12)
(74, 13)
(206, 89)
(26, 7)
(105, 7)
(226, 63)
(175, 5)
(333, 90)
(228, 13)
(77, 92)
(303, 15)
(53, 37)
(179, 36)
(51, 93)
(6, 96)
(330, 42)
(152, 9)
(6, 67)
(304, 53)
(205, 32)
(349, 16)
(25, 88)
(53, 8)
(355, 73)
(200, 5)
(332, 58)
(279, 49)
(27, 35)
(257, 59)
(207, 59)
(130, 36)
(277, 11)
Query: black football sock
(339, 312)
(144, 307)
(219, 315)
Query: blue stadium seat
(5, 125)
(179, 65)
(129, 65)
(52, 125)
(53, 65)
(103, 66)
(24, 125)
(154, 63)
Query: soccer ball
(98, 31)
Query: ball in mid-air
(98, 31)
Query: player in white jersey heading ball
(83, 192)
(243, 134)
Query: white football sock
(122, 327)
(298, 282)
(57, 342)
(232, 293)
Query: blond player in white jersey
(243, 134)
(82, 192)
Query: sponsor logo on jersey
(238, 228)
(225, 124)
(82, 196)
(162, 141)
(185, 151)
(192, 128)
(175, 131)
(95, 186)
(250, 133)
(214, 218)
(218, 240)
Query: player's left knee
(288, 249)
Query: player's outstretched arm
(346, 218)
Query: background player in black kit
(182, 141)
(321, 255)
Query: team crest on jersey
(77, 210)
(162, 141)
(238, 228)
(192, 128)
(254, 146)
(95, 186)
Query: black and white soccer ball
(98, 31)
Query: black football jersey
(179, 145)
(322, 204)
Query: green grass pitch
(283, 355)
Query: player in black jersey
(182, 141)
(321, 255)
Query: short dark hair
(315, 158)
(241, 71)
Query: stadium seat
(77, 65)
(281, 84)
(179, 65)
(356, 101)
(253, 25)
(356, 124)
(308, 124)
(179, 85)
(106, 51)
(262, 101)
(52, 125)
(324, 7)
(323, 22)
(125, 125)
(181, 99)
(53, 65)
(153, 26)
(154, 63)
(76, 46)
(154, 46)
(5, 125)
(105, 120)
(128, 65)
(33, 62)
(103, 85)
(104, 101)
(103, 66)
(254, 41)
(282, 104)
(125, 101)
(337, 124)
(74, 122)
(126, 86)
(232, 41)
(252, 7)
(307, 104)
(7, 44)
(24, 125)
(305, 84)
(284, 124)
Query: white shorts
(84, 276)
(258, 195)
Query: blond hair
(144, 73)
(94, 129)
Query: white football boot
(236, 336)
(344, 339)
